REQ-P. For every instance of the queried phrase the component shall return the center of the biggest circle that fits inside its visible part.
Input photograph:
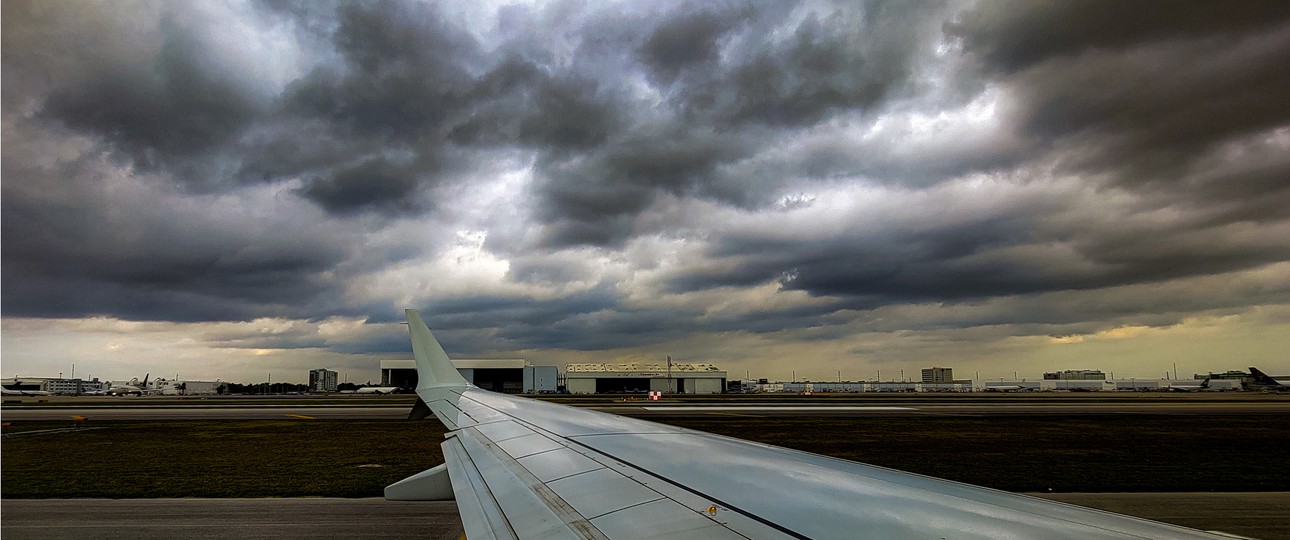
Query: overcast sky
(231, 189)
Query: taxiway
(932, 408)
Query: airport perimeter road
(1256, 515)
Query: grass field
(270, 458)
(229, 458)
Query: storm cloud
(591, 177)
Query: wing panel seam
(661, 497)
(558, 506)
(470, 470)
(571, 439)
(724, 504)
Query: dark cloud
(84, 237)
(372, 185)
(157, 169)
(1011, 36)
(843, 58)
(406, 72)
(595, 319)
(722, 109)
(593, 199)
(158, 105)
(1138, 93)
(1029, 248)
(376, 122)
(685, 41)
(1150, 129)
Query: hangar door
(507, 380)
(624, 385)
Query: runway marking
(737, 414)
(789, 408)
(50, 431)
(301, 416)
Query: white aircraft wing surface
(521, 468)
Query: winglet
(433, 366)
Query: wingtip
(434, 368)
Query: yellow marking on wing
(301, 416)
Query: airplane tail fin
(1205, 383)
(1263, 378)
(433, 366)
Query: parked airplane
(1004, 388)
(27, 393)
(1204, 385)
(377, 390)
(134, 388)
(1265, 382)
(521, 468)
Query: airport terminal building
(505, 375)
(636, 378)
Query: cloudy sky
(231, 189)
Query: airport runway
(972, 409)
(1255, 515)
(330, 412)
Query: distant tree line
(260, 388)
(230, 388)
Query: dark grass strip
(353, 458)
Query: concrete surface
(1255, 515)
(199, 519)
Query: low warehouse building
(636, 378)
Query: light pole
(669, 374)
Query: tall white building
(938, 375)
(1075, 375)
(322, 380)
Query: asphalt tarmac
(371, 412)
(188, 412)
(198, 519)
(1254, 515)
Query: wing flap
(512, 499)
(481, 515)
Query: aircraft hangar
(634, 378)
(506, 375)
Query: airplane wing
(521, 468)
